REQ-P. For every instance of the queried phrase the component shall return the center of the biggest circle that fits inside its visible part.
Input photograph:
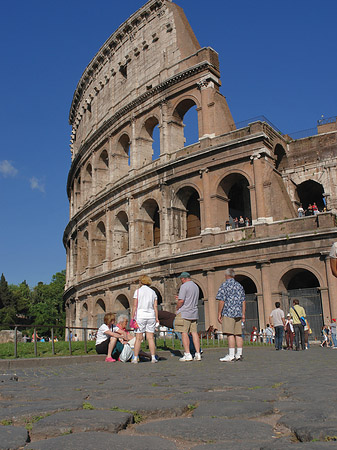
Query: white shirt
(101, 336)
(145, 307)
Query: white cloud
(7, 169)
(36, 184)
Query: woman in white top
(107, 342)
(145, 311)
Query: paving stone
(75, 421)
(12, 438)
(232, 409)
(147, 407)
(101, 441)
(206, 429)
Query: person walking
(186, 320)
(277, 321)
(231, 314)
(145, 312)
(297, 312)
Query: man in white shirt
(277, 321)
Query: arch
(87, 182)
(303, 284)
(122, 303)
(184, 126)
(150, 224)
(102, 170)
(121, 233)
(99, 243)
(84, 250)
(233, 200)
(159, 296)
(100, 312)
(123, 155)
(252, 308)
(280, 157)
(187, 221)
(310, 192)
(147, 146)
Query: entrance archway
(304, 285)
(311, 192)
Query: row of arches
(296, 283)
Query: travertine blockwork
(134, 211)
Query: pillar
(212, 302)
(266, 292)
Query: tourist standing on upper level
(300, 211)
(186, 320)
(297, 313)
(231, 314)
(277, 321)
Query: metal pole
(69, 341)
(35, 343)
(85, 340)
(52, 342)
(16, 343)
(173, 336)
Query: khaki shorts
(184, 325)
(231, 325)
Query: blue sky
(276, 58)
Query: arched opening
(310, 192)
(121, 234)
(123, 155)
(159, 296)
(187, 222)
(122, 304)
(100, 312)
(304, 286)
(99, 244)
(280, 157)
(77, 200)
(184, 126)
(150, 223)
(252, 309)
(102, 169)
(148, 144)
(87, 182)
(201, 310)
(84, 250)
(233, 201)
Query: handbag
(126, 354)
(302, 319)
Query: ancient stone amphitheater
(142, 202)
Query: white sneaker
(187, 357)
(135, 360)
(227, 358)
(197, 357)
(154, 360)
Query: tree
(23, 297)
(6, 297)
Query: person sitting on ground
(107, 341)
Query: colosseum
(144, 202)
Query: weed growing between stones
(6, 422)
(136, 416)
(34, 419)
(87, 405)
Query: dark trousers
(278, 337)
(299, 336)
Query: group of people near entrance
(113, 337)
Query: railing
(164, 339)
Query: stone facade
(134, 212)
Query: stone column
(90, 243)
(212, 303)
(208, 223)
(164, 135)
(332, 288)
(109, 235)
(164, 216)
(132, 224)
(206, 89)
(258, 181)
(266, 291)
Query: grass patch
(277, 385)
(87, 405)
(254, 387)
(32, 420)
(44, 349)
(6, 422)
(191, 407)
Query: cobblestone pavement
(270, 400)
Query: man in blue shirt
(231, 314)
